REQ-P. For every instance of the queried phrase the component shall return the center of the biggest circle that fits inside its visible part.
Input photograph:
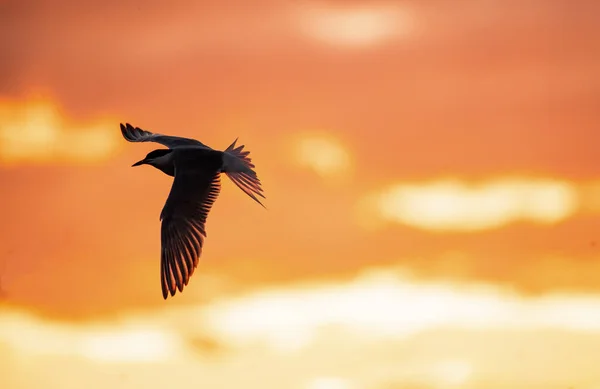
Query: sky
(433, 196)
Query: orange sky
(456, 141)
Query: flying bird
(196, 169)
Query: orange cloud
(35, 131)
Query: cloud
(99, 342)
(330, 383)
(376, 305)
(454, 205)
(134, 345)
(372, 306)
(36, 131)
(355, 26)
(323, 154)
(442, 334)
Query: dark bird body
(196, 169)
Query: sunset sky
(432, 176)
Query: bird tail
(239, 168)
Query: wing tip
(127, 130)
(133, 134)
(232, 146)
(167, 292)
(250, 185)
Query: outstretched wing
(136, 134)
(183, 226)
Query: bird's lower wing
(136, 134)
(183, 227)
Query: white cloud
(330, 383)
(384, 305)
(379, 304)
(114, 342)
(389, 317)
(457, 205)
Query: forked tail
(239, 168)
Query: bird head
(154, 158)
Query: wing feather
(248, 184)
(136, 134)
(183, 226)
(245, 178)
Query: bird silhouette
(196, 169)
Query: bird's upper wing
(136, 134)
(183, 225)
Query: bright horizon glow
(379, 307)
(374, 304)
(453, 205)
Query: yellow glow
(355, 26)
(454, 205)
(377, 305)
(89, 143)
(374, 304)
(31, 336)
(590, 196)
(329, 383)
(34, 132)
(128, 346)
(323, 154)
(452, 372)
(379, 312)
(27, 131)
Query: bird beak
(138, 163)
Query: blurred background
(432, 179)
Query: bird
(196, 170)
